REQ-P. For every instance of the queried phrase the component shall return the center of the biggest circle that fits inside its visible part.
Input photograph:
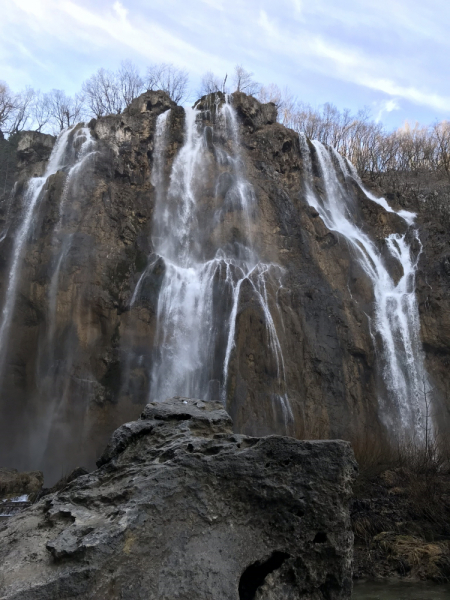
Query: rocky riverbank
(401, 521)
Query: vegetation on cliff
(401, 511)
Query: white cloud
(436, 101)
(216, 4)
(298, 6)
(350, 64)
(386, 106)
(120, 10)
(358, 48)
(69, 23)
(268, 25)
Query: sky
(392, 56)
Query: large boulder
(183, 508)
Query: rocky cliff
(287, 338)
(183, 508)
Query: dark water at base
(400, 591)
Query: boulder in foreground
(182, 508)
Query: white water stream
(205, 269)
(31, 199)
(396, 317)
(68, 148)
(72, 150)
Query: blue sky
(393, 56)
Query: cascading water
(83, 147)
(80, 146)
(73, 149)
(205, 240)
(31, 198)
(396, 318)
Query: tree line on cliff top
(373, 150)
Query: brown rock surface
(96, 373)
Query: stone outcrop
(181, 507)
(33, 152)
(105, 349)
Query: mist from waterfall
(204, 239)
(395, 320)
(55, 361)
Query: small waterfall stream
(55, 359)
(206, 244)
(69, 148)
(31, 199)
(74, 147)
(396, 317)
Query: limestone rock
(33, 152)
(182, 508)
(96, 374)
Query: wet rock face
(94, 371)
(89, 241)
(183, 508)
(433, 290)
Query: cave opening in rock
(321, 538)
(253, 577)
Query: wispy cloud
(385, 106)
(360, 51)
(340, 60)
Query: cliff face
(433, 292)
(286, 334)
(182, 508)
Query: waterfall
(204, 238)
(31, 199)
(395, 318)
(84, 147)
(68, 147)
(73, 148)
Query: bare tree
(284, 101)
(243, 81)
(41, 110)
(103, 93)
(169, 79)
(210, 84)
(65, 111)
(441, 133)
(8, 106)
(130, 82)
(21, 116)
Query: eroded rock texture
(183, 508)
